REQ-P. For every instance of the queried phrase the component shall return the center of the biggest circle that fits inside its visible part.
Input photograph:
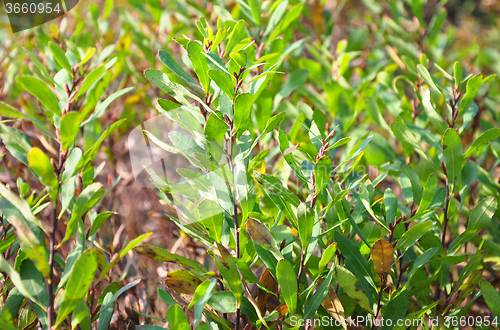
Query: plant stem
(445, 213)
(235, 206)
(50, 280)
(378, 307)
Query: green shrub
(309, 211)
(329, 179)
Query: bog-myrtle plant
(310, 237)
(57, 280)
(320, 176)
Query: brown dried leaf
(334, 307)
(282, 309)
(268, 281)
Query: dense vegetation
(340, 159)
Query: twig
(446, 204)
(378, 306)
(50, 280)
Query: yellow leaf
(180, 286)
(382, 254)
(259, 233)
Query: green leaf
(472, 88)
(215, 129)
(177, 319)
(31, 246)
(70, 123)
(413, 234)
(123, 252)
(203, 293)
(227, 268)
(351, 252)
(200, 64)
(15, 142)
(414, 316)
(319, 296)
(39, 65)
(273, 122)
(34, 281)
(21, 205)
(256, 10)
(41, 166)
(85, 201)
(408, 140)
(91, 78)
(274, 184)
(242, 109)
(223, 81)
(88, 55)
(160, 254)
(306, 219)
(453, 157)
(426, 76)
(98, 221)
(322, 173)
(490, 135)
(348, 282)
(418, 10)
(59, 56)
(457, 72)
(396, 308)
(276, 17)
(431, 112)
(235, 35)
(219, 37)
(287, 281)
(291, 16)
(7, 110)
(422, 260)
(107, 303)
(481, 216)
(391, 206)
(202, 25)
(491, 296)
(289, 158)
(106, 313)
(165, 296)
(41, 91)
(90, 153)
(181, 94)
(15, 278)
(169, 61)
(223, 302)
(81, 316)
(327, 256)
(101, 108)
(78, 284)
(212, 218)
(429, 193)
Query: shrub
(326, 179)
(311, 228)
